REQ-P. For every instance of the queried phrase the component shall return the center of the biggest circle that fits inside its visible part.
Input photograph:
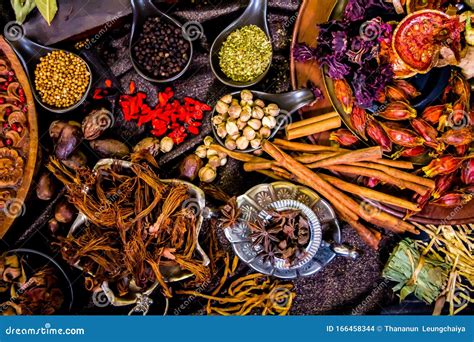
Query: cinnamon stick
(271, 174)
(311, 158)
(312, 120)
(364, 154)
(382, 176)
(369, 193)
(302, 147)
(429, 183)
(313, 128)
(399, 164)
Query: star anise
(261, 235)
(271, 254)
(230, 214)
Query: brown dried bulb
(201, 151)
(255, 124)
(265, 132)
(230, 143)
(234, 111)
(218, 119)
(269, 121)
(208, 141)
(231, 127)
(222, 107)
(227, 99)
(259, 103)
(256, 143)
(214, 162)
(242, 143)
(221, 131)
(249, 133)
(257, 113)
(246, 95)
(246, 113)
(241, 124)
(272, 109)
(207, 174)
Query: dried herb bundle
(139, 227)
(284, 236)
(247, 295)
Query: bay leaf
(48, 9)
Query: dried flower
(443, 184)
(403, 137)
(453, 199)
(344, 137)
(442, 166)
(378, 135)
(344, 94)
(398, 111)
(467, 172)
(432, 114)
(428, 132)
(458, 137)
(359, 120)
(408, 152)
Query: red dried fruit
(467, 172)
(403, 137)
(344, 94)
(458, 137)
(377, 134)
(443, 184)
(359, 120)
(344, 137)
(398, 110)
(442, 166)
(453, 199)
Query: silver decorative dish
(325, 233)
(174, 273)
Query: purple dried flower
(303, 52)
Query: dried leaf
(48, 9)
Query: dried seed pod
(461, 87)
(454, 199)
(246, 113)
(265, 132)
(76, 160)
(189, 167)
(269, 121)
(428, 132)
(255, 124)
(222, 107)
(344, 95)
(397, 111)
(207, 174)
(64, 212)
(408, 152)
(393, 93)
(96, 123)
(458, 137)
(227, 99)
(201, 151)
(467, 172)
(246, 95)
(378, 135)
(218, 119)
(409, 90)
(242, 143)
(443, 184)
(69, 140)
(343, 137)
(150, 145)
(459, 116)
(230, 143)
(442, 166)
(256, 143)
(45, 188)
(403, 137)
(432, 114)
(359, 120)
(221, 131)
(258, 113)
(272, 109)
(110, 148)
(231, 127)
(249, 133)
(259, 103)
(234, 111)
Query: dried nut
(269, 121)
(76, 160)
(110, 148)
(221, 131)
(246, 95)
(201, 151)
(242, 143)
(256, 143)
(272, 109)
(222, 107)
(249, 133)
(45, 188)
(189, 167)
(246, 113)
(265, 132)
(234, 111)
(70, 138)
(214, 162)
(259, 103)
(217, 120)
(211, 152)
(64, 212)
(227, 99)
(207, 174)
(241, 124)
(96, 123)
(53, 225)
(255, 124)
(231, 127)
(166, 144)
(257, 113)
(208, 141)
(230, 144)
(150, 145)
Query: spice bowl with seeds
(242, 53)
(242, 120)
(160, 49)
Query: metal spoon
(255, 14)
(288, 102)
(142, 10)
(29, 54)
